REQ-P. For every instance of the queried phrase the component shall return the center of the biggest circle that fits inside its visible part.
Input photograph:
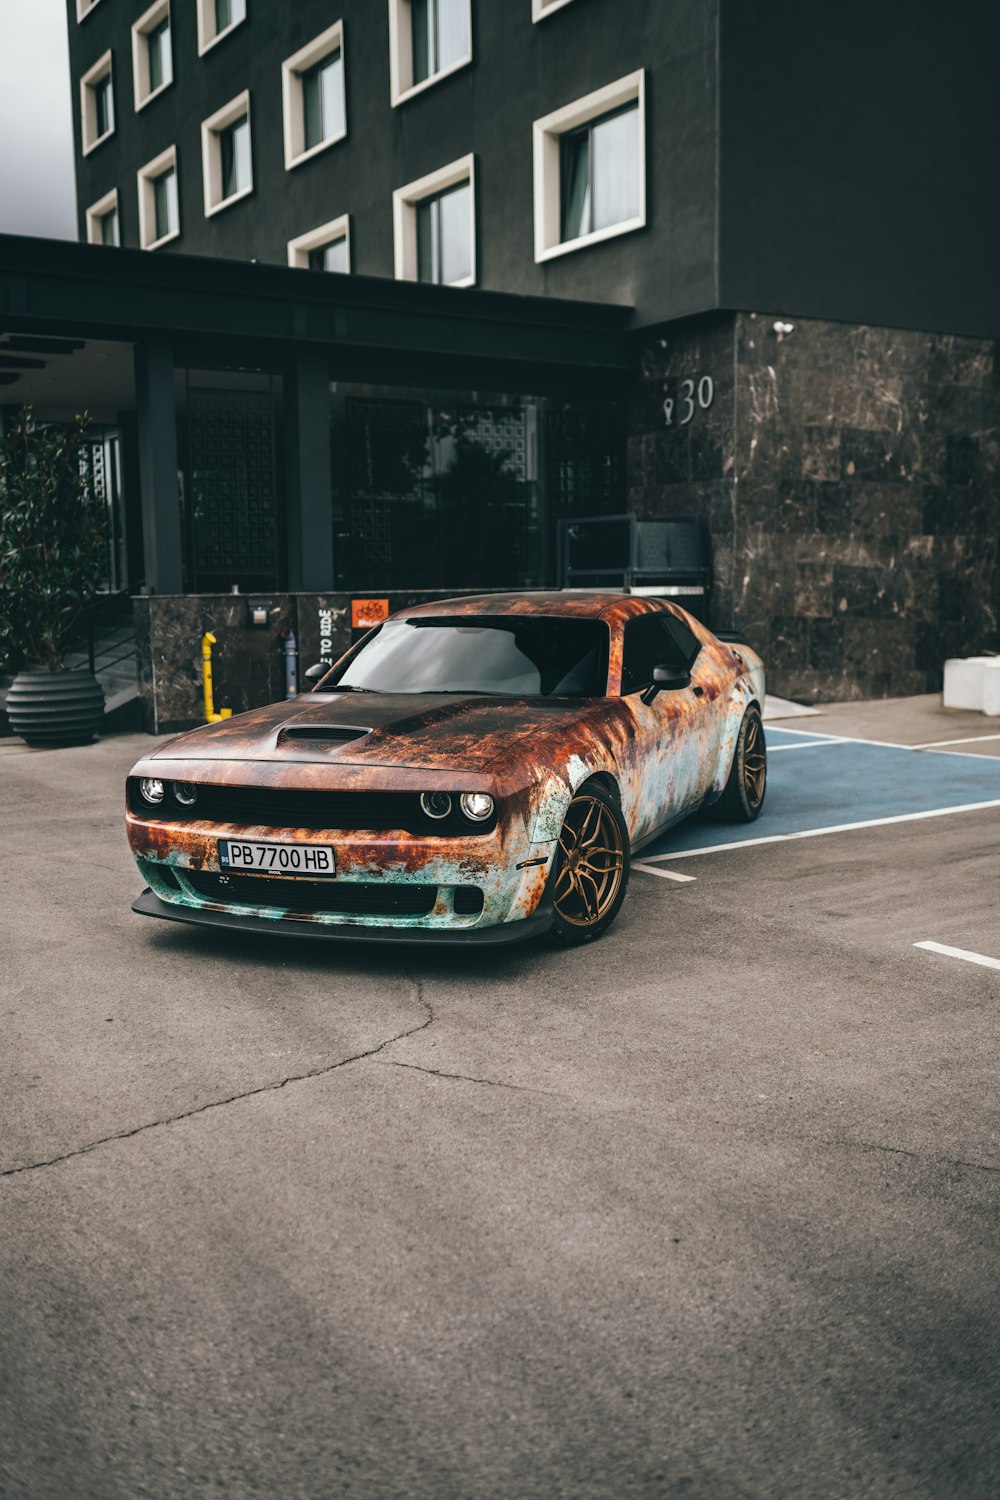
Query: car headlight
(186, 793)
(151, 790)
(477, 806)
(436, 805)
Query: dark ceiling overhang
(234, 309)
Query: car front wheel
(743, 798)
(592, 867)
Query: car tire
(743, 798)
(588, 889)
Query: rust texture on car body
(531, 754)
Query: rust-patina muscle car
(472, 771)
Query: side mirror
(667, 679)
(312, 675)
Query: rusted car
(473, 771)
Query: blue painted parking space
(818, 781)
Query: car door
(678, 734)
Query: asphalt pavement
(708, 1210)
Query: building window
(590, 169)
(216, 19)
(542, 8)
(327, 248)
(83, 8)
(428, 39)
(102, 221)
(152, 53)
(226, 155)
(97, 104)
(312, 83)
(434, 223)
(159, 214)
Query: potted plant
(51, 563)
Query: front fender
(554, 797)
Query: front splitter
(151, 905)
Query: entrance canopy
(252, 407)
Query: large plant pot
(55, 708)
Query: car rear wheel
(592, 867)
(743, 798)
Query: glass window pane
(456, 234)
(223, 15)
(165, 204)
(234, 158)
(160, 61)
(312, 109)
(104, 108)
(109, 228)
(575, 184)
(421, 20)
(616, 169)
(332, 257)
(452, 29)
(332, 79)
(428, 268)
(241, 136)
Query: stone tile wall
(849, 478)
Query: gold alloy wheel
(754, 762)
(591, 863)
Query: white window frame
(207, 35)
(401, 85)
(147, 22)
(84, 8)
(542, 8)
(102, 68)
(318, 239)
(404, 215)
(147, 209)
(100, 210)
(292, 102)
(546, 134)
(211, 159)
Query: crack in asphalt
(873, 1146)
(417, 994)
(493, 1083)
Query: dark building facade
(751, 250)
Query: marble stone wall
(848, 475)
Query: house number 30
(693, 394)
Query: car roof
(572, 605)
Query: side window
(655, 641)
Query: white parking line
(971, 739)
(639, 864)
(815, 833)
(815, 738)
(970, 958)
(808, 745)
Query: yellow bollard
(211, 717)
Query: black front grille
(266, 807)
(346, 898)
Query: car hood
(427, 731)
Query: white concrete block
(991, 687)
(963, 681)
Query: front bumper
(150, 905)
(390, 886)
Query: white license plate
(277, 859)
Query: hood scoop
(333, 735)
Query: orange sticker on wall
(368, 612)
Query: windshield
(523, 656)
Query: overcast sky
(37, 187)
